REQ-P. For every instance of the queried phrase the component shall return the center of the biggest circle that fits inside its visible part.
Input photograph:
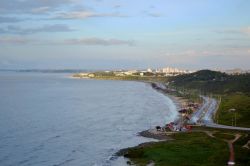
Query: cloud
(190, 56)
(83, 41)
(29, 6)
(14, 40)
(9, 19)
(246, 30)
(84, 15)
(46, 28)
(99, 41)
(243, 31)
(154, 14)
(117, 6)
(43, 9)
(75, 15)
(149, 13)
(50, 9)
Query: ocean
(51, 119)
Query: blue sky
(114, 34)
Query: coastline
(147, 153)
(178, 102)
(151, 133)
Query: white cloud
(81, 41)
(99, 41)
(154, 14)
(194, 56)
(9, 19)
(14, 40)
(11, 29)
(76, 15)
(29, 6)
(244, 31)
(43, 9)
(85, 14)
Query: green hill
(234, 91)
(213, 82)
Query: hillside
(234, 91)
(213, 82)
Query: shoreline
(178, 102)
(153, 133)
(192, 110)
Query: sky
(124, 34)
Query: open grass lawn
(187, 149)
(193, 149)
(239, 102)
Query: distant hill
(213, 81)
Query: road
(204, 116)
(197, 116)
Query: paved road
(197, 116)
(214, 125)
(204, 115)
(210, 111)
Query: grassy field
(105, 76)
(187, 149)
(241, 104)
(192, 149)
(224, 136)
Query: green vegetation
(224, 136)
(187, 149)
(234, 91)
(234, 105)
(242, 154)
(207, 81)
(132, 78)
(195, 148)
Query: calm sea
(54, 120)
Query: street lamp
(233, 118)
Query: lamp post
(233, 117)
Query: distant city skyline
(124, 34)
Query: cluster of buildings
(174, 71)
(168, 71)
(236, 71)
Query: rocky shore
(153, 133)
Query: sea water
(54, 120)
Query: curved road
(204, 116)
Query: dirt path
(247, 145)
(210, 133)
(231, 149)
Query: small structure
(158, 128)
(183, 111)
